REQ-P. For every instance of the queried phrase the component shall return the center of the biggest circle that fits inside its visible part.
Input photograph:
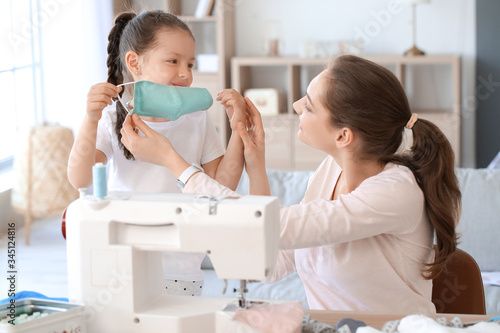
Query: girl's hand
(152, 147)
(235, 106)
(253, 139)
(100, 96)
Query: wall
(444, 26)
(488, 93)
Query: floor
(40, 266)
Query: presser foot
(241, 297)
(242, 303)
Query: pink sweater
(361, 252)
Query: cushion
(289, 186)
(480, 220)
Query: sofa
(479, 227)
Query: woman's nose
(296, 107)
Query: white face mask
(170, 102)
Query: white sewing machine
(114, 250)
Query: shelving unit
(214, 34)
(432, 84)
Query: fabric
(423, 324)
(194, 136)
(152, 99)
(272, 318)
(353, 324)
(362, 252)
(180, 287)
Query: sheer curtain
(75, 57)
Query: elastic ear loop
(121, 100)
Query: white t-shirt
(195, 138)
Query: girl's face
(315, 127)
(171, 61)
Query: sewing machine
(114, 247)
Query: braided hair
(136, 33)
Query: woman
(362, 237)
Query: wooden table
(377, 320)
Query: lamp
(414, 51)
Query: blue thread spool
(99, 180)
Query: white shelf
(285, 151)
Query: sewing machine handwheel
(63, 223)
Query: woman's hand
(254, 150)
(253, 138)
(235, 106)
(152, 147)
(100, 96)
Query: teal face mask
(170, 102)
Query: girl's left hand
(152, 147)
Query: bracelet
(184, 177)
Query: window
(21, 74)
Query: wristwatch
(184, 177)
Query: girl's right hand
(100, 96)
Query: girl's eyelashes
(308, 109)
(174, 61)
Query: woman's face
(315, 127)
(171, 61)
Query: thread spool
(99, 180)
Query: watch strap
(186, 174)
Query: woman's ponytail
(369, 99)
(116, 70)
(432, 161)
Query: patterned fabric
(184, 288)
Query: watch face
(180, 184)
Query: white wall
(73, 62)
(443, 26)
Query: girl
(158, 47)
(362, 237)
